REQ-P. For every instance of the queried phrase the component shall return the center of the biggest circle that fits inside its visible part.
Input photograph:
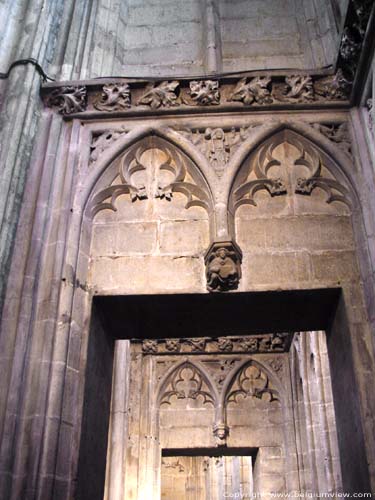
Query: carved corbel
(221, 432)
(223, 266)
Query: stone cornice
(95, 99)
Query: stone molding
(131, 96)
(265, 343)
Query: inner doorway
(159, 381)
(216, 475)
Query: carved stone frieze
(186, 383)
(69, 99)
(100, 142)
(337, 133)
(223, 266)
(204, 93)
(218, 144)
(140, 97)
(264, 343)
(255, 90)
(114, 97)
(275, 186)
(163, 94)
(251, 382)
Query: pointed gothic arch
(101, 170)
(269, 376)
(306, 139)
(195, 366)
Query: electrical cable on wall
(45, 77)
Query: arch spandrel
(101, 163)
(315, 152)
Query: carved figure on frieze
(150, 346)
(333, 87)
(256, 90)
(249, 344)
(173, 345)
(204, 93)
(299, 88)
(251, 382)
(218, 149)
(68, 99)
(224, 344)
(218, 144)
(161, 95)
(223, 267)
(114, 97)
(197, 345)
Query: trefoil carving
(163, 94)
(114, 97)
(223, 266)
(187, 383)
(251, 382)
(68, 99)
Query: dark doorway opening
(198, 315)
